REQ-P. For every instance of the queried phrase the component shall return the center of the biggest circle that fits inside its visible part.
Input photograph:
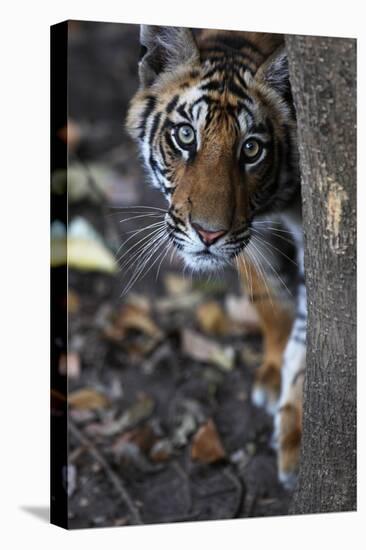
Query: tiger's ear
(274, 71)
(164, 48)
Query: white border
(24, 219)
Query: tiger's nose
(208, 237)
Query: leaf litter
(152, 410)
(161, 426)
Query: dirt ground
(161, 426)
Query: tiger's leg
(276, 320)
(279, 381)
(288, 417)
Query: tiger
(215, 123)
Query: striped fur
(229, 93)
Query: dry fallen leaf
(138, 350)
(82, 416)
(69, 365)
(212, 319)
(161, 451)
(136, 318)
(88, 255)
(97, 182)
(87, 398)
(186, 418)
(129, 454)
(206, 444)
(176, 285)
(200, 348)
(113, 333)
(139, 300)
(176, 303)
(143, 437)
(139, 411)
(243, 312)
(73, 301)
(82, 247)
(185, 428)
(70, 134)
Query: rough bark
(323, 78)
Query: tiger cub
(216, 127)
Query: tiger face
(217, 134)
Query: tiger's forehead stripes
(204, 111)
(224, 91)
(222, 94)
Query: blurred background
(159, 364)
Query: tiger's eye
(185, 136)
(252, 149)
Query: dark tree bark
(323, 78)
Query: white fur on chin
(200, 264)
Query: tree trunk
(323, 78)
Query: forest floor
(161, 424)
(159, 397)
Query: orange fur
(215, 188)
(276, 321)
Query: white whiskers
(153, 243)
